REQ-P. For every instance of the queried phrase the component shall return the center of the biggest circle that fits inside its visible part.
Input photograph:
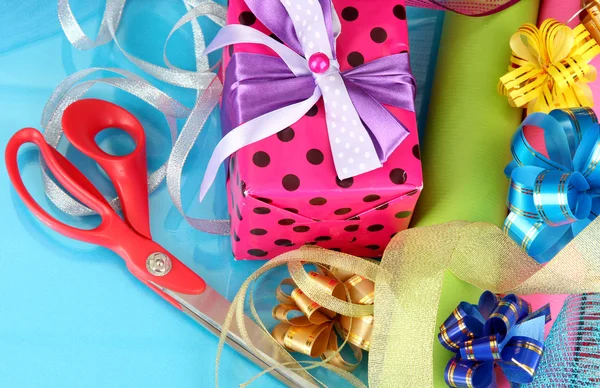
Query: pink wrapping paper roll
(561, 10)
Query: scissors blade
(210, 310)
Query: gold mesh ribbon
(477, 253)
(550, 67)
(408, 284)
(312, 332)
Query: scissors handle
(82, 121)
(137, 250)
(68, 176)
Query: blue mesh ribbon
(552, 198)
(497, 331)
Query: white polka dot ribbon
(352, 148)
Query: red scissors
(130, 237)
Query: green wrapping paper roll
(470, 125)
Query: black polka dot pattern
(290, 182)
(345, 183)
(412, 192)
(258, 232)
(272, 231)
(262, 210)
(286, 135)
(247, 18)
(243, 188)
(238, 213)
(400, 12)
(355, 59)
(349, 14)
(375, 228)
(312, 112)
(315, 156)
(378, 35)
(371, 198)
(342, 211)
(416, 151)
(230, 49)
(351, 228)
(398, 176)
(257, 252)
(261, 159)
(283, 242)
(318, 201)
(382, 206)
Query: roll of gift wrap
(561, 10)
(470, 125)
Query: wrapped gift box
(284, 190)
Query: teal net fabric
(572, 350)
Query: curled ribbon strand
(555, 194)
(313, 333)
(550, 67)
(203, 80)
(497, 330)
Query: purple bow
(257, 102)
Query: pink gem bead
(318, 63)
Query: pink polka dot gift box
(319, 125)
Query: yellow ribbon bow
(311, 333)
(550, 67)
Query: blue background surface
(71, 315)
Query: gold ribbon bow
(312, 332)
(550, 67)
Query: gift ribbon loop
(550, 67)
(308, 328)
(497, 330)
(553, 194)
(352, 99)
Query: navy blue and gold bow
(554, 194)
(500, 331)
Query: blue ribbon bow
(552, 198)
(500, 331)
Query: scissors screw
(158, 264)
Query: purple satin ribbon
(256, 84)
(257, 103)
